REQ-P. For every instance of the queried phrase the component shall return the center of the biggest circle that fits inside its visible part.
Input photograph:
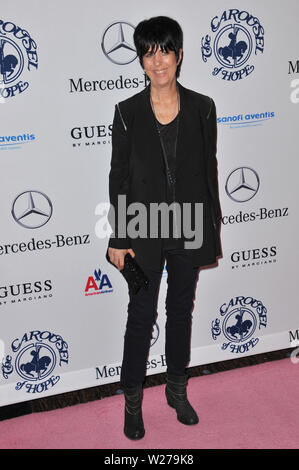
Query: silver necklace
(178, 102)
(170, 178)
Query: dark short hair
(158, 31)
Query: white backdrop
(60, 81)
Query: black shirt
(168, 134)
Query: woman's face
(160, 67)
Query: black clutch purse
(132, 273)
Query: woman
(165, 124)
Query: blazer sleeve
(118, 182)
(212, 166)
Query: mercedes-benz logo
(115, 47)
(32, 209)
(242, 184)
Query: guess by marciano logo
(18, 57)
(239, 319)
(236, 37)
(25, 292)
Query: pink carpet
(253, 407)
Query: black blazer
(137, 170)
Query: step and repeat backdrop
(63, 67)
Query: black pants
(142, 312)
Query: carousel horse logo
(236, 36)
(35, 362)
(37, 354)
(241, 317)
(18, 56)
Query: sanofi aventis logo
(8, 142)
(246, 120)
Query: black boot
(177, 398)
(134, 428)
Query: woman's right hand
(117, 256)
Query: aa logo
(99, 283)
